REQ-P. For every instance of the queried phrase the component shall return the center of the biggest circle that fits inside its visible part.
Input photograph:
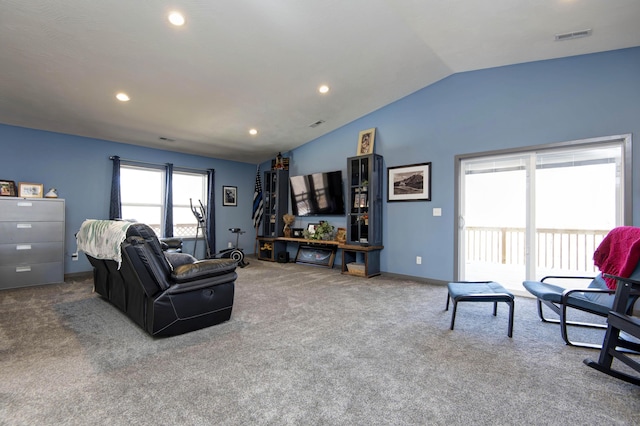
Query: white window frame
(625, 184)
(203, 175)
(159, 227)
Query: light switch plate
(437, 211)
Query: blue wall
(515, 106)
(499, 108)
(81, 171)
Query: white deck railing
(563, 249)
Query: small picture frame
(7, 188)
(312, 228)
(365, 141)
(359, 201)
(230, 196)
(341, 235)
(409, 183)
(284, 165)
(30, 190)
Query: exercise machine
(234, 253)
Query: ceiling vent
(316, 124)
(574, 34)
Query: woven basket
(356, 268)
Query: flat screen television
(317, 194)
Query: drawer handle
(23, 268)
(23, 247)
(23, 225)
(24, 204)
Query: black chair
(615, 345)
(597, 299)
(164, 293)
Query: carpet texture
(304, 346)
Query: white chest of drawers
(31, 241)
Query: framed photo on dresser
(30, 190)
(7, 188)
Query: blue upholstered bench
(480, 291)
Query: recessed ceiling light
(176, 18)
(323, 89)
(123, 97)
(253, 132)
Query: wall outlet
(418, 260)
(74, 256)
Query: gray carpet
(304, 346)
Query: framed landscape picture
(409, 183)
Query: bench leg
(453, 314)
(495, 309)
(511, 306)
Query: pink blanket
(618, 253)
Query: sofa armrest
(202, 269)
(203, 283)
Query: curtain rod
(126, 160)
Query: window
(187, 186)
(142, 195)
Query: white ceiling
(241, 64)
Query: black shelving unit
(276, 202)
(364, 220)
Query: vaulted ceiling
(237, 65)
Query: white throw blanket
(101, 239)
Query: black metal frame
(561, 311)
(614, 347)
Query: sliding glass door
(527, 214)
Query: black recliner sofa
(165, 293)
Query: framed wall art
(7, 188)
(365, 141)
(409, 183)
(230, 196)
(30, 190)
(315, 255)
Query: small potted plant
(324, 231)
